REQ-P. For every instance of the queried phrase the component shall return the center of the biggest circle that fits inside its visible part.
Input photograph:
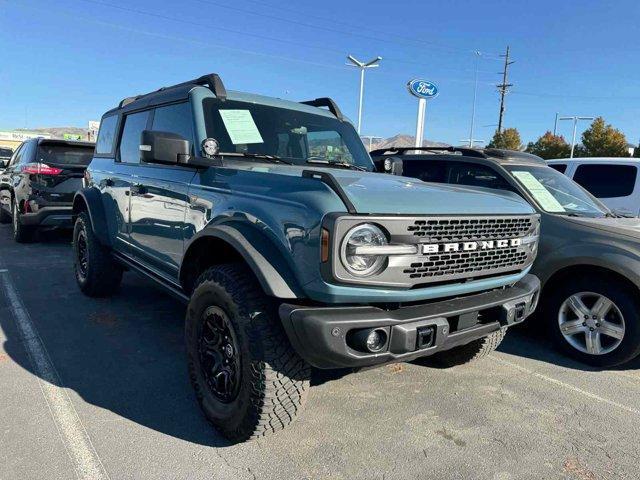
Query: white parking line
(568, 386)
(85, 459)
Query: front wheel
(595, 320)
(97, 273)
(247, 378)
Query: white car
(615, 181)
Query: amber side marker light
(324, 245)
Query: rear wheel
(5, 217)
(21, 233)
(466, 353)
(97, 273)
(247, 378)
(595, 320)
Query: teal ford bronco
(266, 218)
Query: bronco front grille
(472, 263)
(448, 229)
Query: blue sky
(65, 62)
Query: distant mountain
(401, 140)
(55, 132)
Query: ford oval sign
(422, 89)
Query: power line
(240, 32)
(347, 24)
(350, 33)
(503, 88)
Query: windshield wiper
(333, 163)
(257, 156)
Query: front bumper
(323, 335)
(48, 217)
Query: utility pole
(503, 87)
(575, 128)
(555, 125)
(362, 66)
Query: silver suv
(589, 258)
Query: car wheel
(21, 233)
(4, 216)
(594, 320)
(247, 378)
(96, 271)
(470, 352)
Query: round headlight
(364, 235)
(387, 165)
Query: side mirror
(163, 147)
(4, 163)
(392, 165)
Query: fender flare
(92, 199)
(266, 262)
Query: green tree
(508, 139)
(602, 140)
(636, 152)
(549, 146)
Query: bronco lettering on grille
(470, 246)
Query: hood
(628, 227)
(382, 193)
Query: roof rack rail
(213, 80)
(469, 152)
(326, 102)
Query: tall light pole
(575, 128)
(475, 94)
(362, 66)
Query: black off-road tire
(466, 353)
(102, 275)
(623, 295)
(273, 380)
(21, 233)
(4, 216)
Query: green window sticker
(241, 127)
(539, 192)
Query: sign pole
(422, 107)
(423, 90)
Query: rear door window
(607, 181)
(134, 124)
(561, 167)
(106, 135)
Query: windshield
(556, 193)
(292, 135)
(64, 154)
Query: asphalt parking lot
(98, 389)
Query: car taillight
(41, 169)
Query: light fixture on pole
(362, 66)
(575, 128)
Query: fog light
(367, 340)
(376, 340)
